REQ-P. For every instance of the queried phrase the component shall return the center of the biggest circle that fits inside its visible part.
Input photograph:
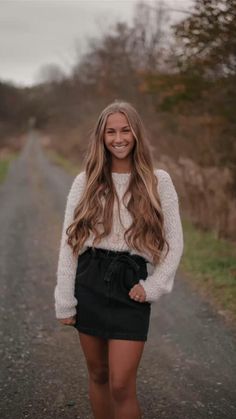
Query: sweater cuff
(149, 295)
(65, 313)
(153, 294)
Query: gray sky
(38, 32)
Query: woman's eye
(112, 132)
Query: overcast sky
(38, 32)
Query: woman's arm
(65, 302)
(162, 279)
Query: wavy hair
(94, 212)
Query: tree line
(181, 77)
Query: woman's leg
(96, 354)
(124, 357)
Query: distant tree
(108, 67)
(149, 40)
(12, 101)
(118, 63)
(50, 73)
(207, 39)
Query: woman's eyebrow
(126, 126)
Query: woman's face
(118, 137)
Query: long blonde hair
(146, 233)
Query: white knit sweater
(160, 277)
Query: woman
(121, 244)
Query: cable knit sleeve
(162, 278)
(65, 302)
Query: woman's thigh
(95, 350)
(124, 357)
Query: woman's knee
(99, 374)
(122, 390)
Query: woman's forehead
(117, 118)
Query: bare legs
(112, 367)
(124, 358)
(96, 354)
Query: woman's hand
(70, 321)
(137, 293)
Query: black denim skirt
(102, 284)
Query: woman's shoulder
(77, 186)
(79, 179)
(165, 184)
(162, 175)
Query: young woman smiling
(121, 245)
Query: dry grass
(211, 265)
(5, 159)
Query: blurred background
(62, 61)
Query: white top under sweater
(160, 278)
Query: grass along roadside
(210, 265)
(59, 160)
(4, 164)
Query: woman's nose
(118, 136)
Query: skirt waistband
(114, 253)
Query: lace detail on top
(121, 178)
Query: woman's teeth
(119, 146)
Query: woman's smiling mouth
(120, 146)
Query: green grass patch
(4, 165)
(61, 161)
(211, 263)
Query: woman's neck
(121, 169)
(122, 165)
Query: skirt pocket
(131, 277)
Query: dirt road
(189, 363)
